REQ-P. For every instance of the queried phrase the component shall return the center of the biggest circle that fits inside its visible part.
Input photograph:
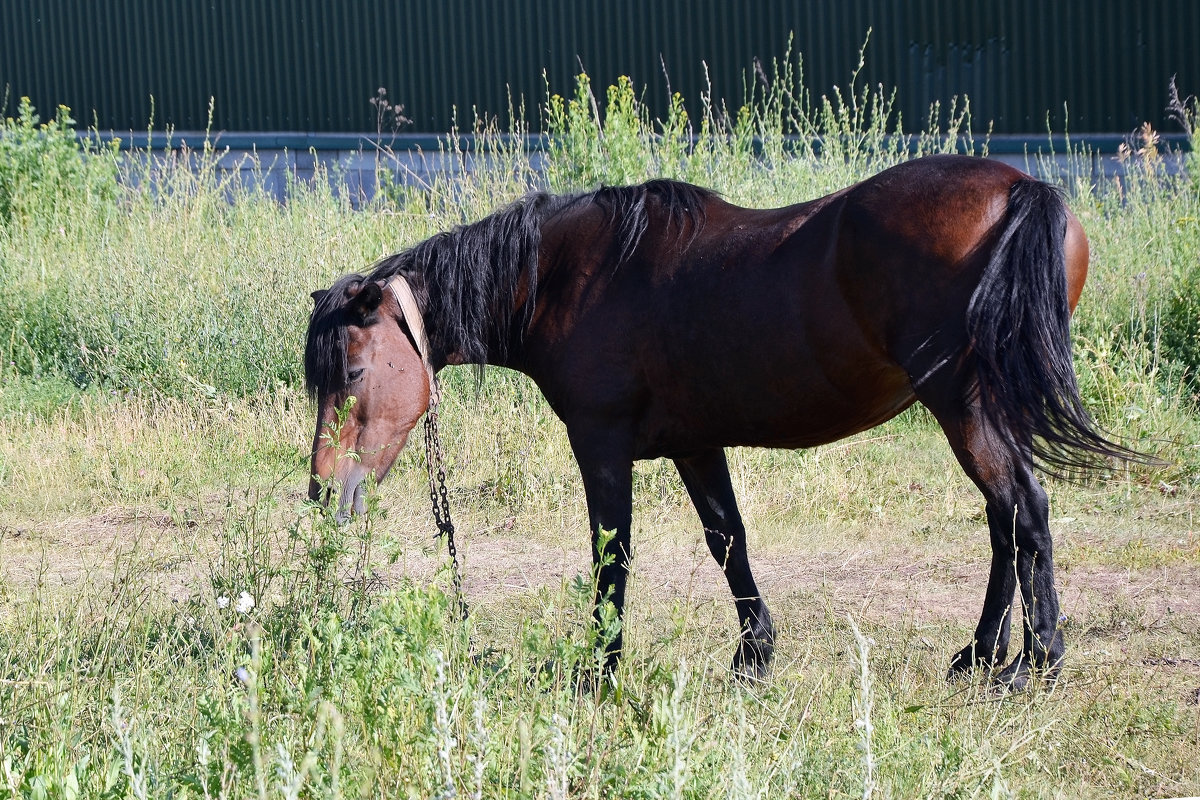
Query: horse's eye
(355, 374)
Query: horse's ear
(365, 298)
(318, 294)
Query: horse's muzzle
(352, 499)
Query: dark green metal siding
(313, 65)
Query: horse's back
(783, 327)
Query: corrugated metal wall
(313, 65)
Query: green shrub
(1180, 326)
(1181, 313)
(44, 168)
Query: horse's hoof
(752, 661)
(961, 663)
(751, 671)
(1019, 675)
(967, 660)
(1013, 678)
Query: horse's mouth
(351, 498)
(353, 501)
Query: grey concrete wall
(352, 164)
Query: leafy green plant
(45, 169)
(1179, 323)
(587, 148)
(1180, 320)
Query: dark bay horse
(662, 322)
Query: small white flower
(245, 602)
(243, 675)
(222, 602)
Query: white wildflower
(245, 603)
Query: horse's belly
(782, 413)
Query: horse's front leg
(607, 469)
(706, 476)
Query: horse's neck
(445, 350)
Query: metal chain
(435, 465)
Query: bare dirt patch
(78, 551)
(873, 579)
(891, 584)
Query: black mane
(471, 270)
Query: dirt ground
(1142, 613)
(883, 580)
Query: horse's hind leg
(1022, 553)
(706, 476)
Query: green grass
(129, 693)
(153, 440)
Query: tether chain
(435, 465)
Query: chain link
(438, 497)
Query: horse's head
(370, 384)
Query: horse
(660, 321)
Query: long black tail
(1018, 322)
